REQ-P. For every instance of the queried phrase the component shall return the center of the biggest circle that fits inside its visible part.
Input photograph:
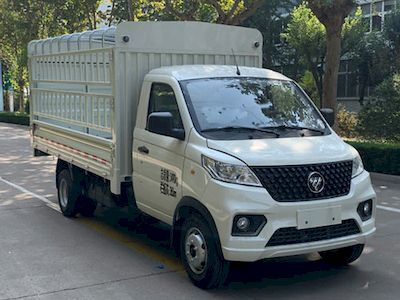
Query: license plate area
(310, 218)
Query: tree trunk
(21, 99)
(333, 46)
(21, 81)
(129, 9)
(111, 18)
(6, 101)
(89, 19)
(331, 14)
(363, 88)
(94, 14)
(317, 78)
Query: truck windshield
(253, 107)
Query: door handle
(143, 149)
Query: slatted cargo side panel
(72, 107)
(90, 66)
(74, 90)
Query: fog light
(248, 225)
(364, 210)
(367, 208)
(243, 224)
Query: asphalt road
(44, 255)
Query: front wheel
(342, 256)
(200, 254)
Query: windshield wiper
(229, 128)
(296, 128)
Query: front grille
(290, 183)
(292, 235)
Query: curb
(385, 177)
(14, 125)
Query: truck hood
(286, 151)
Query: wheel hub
(63, 193)
(196, 250)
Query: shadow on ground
(277, 273)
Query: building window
(352, 85)
(376, 23)
(377, 7)
(389, 5)
(341, 89)
(374, 14)
(366, 9)
(347, 80)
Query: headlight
(357, 166)
(229, 173)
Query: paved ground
(46, 256)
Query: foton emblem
(316, 182)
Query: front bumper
(224, 201)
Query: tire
(200, 254)
(68, 194)
(342, 256)
(86, 206)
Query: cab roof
(187, 72)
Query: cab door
(158, 159)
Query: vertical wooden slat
(57, 67)
(105, 66)
(79, 71)
(98, 112)
(92, 110)
(97, 67)
(65, 66)
(50, 95)
(45, 69)
(52, 67)
(85, 69)
(106, 108)
(91, 67)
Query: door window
(162, 99)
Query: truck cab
(251, 157)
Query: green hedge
(379, 157)
(14, 118)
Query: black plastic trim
(257, 223)
(360, 210)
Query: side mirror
(329, 115)
(161, 123)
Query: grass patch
(379, 157)
(14, 118)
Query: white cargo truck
(178, 120)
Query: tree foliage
(392, 34)
(308, 84)
(306, 35)
(232, 12)
(269, 21)
(73, 15)
(24, 20)
(332, 14)
(380, 118)
(129, 10)
(368, 53)
(346, 122)
(372, 62)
